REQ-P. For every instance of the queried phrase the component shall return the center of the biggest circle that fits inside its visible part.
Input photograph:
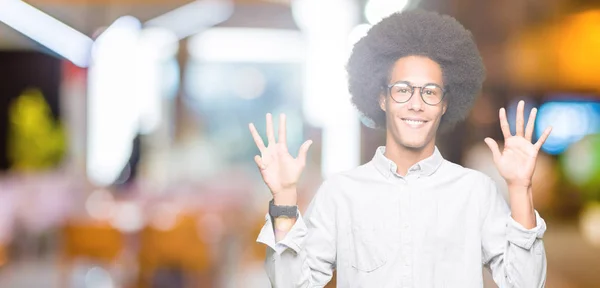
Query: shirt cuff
(293, 239)
(524, 238)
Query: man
(408, 218)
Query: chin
(414, 145)
(416, 141)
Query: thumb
(259, 162)
(491, 143)
(303, 151)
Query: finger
(520, 125)
(282, 132)
(257, 139)
(504, 124)
(540, 142)
(303, 151)
(270, 132)
(530, 124)
(491, 143)
(259, 163)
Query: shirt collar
(425, 167)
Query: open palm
(279, 170)
(516, 163)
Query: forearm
(295, 257)
(289, 263)
(525, 252)
(512, 242)
(522, 249)
(519, 267)
(288, 269)
(521, 205)
(283, 225)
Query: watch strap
(276, 211)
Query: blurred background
(124, 152)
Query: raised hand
(278, 168)
(517, 162)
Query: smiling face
(413, 124)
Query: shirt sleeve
(514, 254)
(306, 256)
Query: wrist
(283, 224)
(522, 187)
(282, 212)
(286, 198)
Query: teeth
(414, 121)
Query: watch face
(285, 225)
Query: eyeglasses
(401, 92)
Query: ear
(382, 102)
(444, 107)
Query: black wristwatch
(282, 211)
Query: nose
(416, 101)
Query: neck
(405, 157)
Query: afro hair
(420, 33)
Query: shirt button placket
(406, 236)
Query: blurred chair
(178, 249)
(94, 241)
